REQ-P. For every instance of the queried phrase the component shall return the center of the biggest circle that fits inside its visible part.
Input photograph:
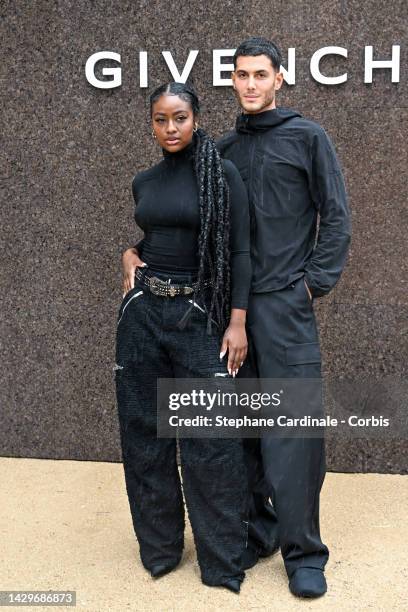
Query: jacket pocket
(301, 354)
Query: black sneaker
(308, 582)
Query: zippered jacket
(293, 178)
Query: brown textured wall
(70, 152)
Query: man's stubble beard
(268, 102)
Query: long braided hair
(214, 206)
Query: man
(292, 177)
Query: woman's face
(173, 122)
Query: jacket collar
(266, 120)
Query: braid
(214, 207)
(213, 242)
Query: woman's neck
(186, 152)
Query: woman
(188, 303)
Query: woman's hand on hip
(130, 261)
(235, 342)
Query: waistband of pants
(169, 285)
(175, 277)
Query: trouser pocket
(130, 330)
(300, 287)
(304, 360)
(131, 295)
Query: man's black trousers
(150, 345)
(289, 471)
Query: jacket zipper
(252, 207)
(251, 162)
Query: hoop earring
(195, 128)
(154, 135)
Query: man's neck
(262, 110)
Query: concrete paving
(65, 525)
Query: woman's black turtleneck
(167, 210)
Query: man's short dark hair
(256, 45)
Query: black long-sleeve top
(167, 210)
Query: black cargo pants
(284, 343)
(150, 346)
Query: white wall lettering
(143, 78)
(180, 78)
(393, 63)
(221, 69)
(115, 72)
(315, 65)
(218, 67)
(289, 74)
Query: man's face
(255, 82)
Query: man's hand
(308, 290)
(130, 261)
(235, 341)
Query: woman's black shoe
(251, 557)
(233, 584)
(161, 570)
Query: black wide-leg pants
(290, 471)
(151, 346)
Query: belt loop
(141, 272)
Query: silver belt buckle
(154, 285)
(159, 287)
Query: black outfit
(292, 175)
(167, 211)
(151, 345)
(290, 169)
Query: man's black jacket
(292, 175)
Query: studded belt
(164, 288)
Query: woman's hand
(130, 261)
(235, 341)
